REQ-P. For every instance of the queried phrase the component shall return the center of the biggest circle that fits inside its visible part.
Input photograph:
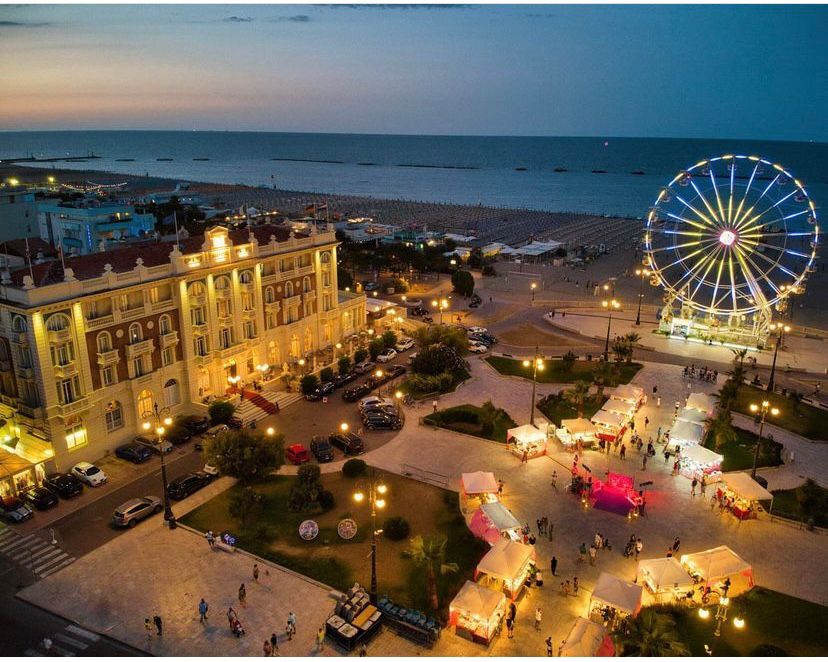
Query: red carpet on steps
(260, 402)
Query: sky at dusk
(651, 71)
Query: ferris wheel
(732, 235)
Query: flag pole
(175, 220)
(29, 258)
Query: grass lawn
(555, 373)
(466, 418)
(429, 510)
(808, 421)
(803, 503)
(557, 408)
(738, 455)
(796, 626)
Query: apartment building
(88, 350)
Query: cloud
(21, 24)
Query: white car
(386, 356)
(370, 400)
(210, 470)
(404, 344)
(478, 347)
(476, 329)
(89, 474)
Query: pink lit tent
(491, 520)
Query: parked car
(216, 429)
(297, 454)
(411, 357)
(41, 498)
(66, 485)
(350, 443)
(374, 400)
(194, 424)
(364, 366)
(488, 338)
(355, 392)
(347, 378)
(478, 348)
(325, 388)
(14, 511)
(322, 449)
(153, 445)
(387, 355)
(89, 474)
(395, 371)
(178, 435)
(133, 452)
(404, 344)
(381, 421)
(389, 410)
(210, 470)
(477, 329)
(133, 511)
(235, 422)
(370, 286)
(183, 487)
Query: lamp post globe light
(534, 287)
(441, 304)
(610, 305)
(642, 274)
(161, 417)
(378, 374)
(375, 492)
(781, 330)
(761, 412)
(537, 365)
(721, 616)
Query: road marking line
(6, 533)
(17, 543)
(26, 551)
(52, 558)
(74, 629)
(48, 572)
(71, 642)
(39, 555)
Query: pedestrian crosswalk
(69, 642)
(28, 550)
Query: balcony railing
(28, 411)
(247, 287)
(25, 372)
(138, 348)
(22, 337)
(61, 336)
(169, 339)
(230, 351)
(249, 313)
(107, 358)
(305, 271)
(159, 306)
(202, 360)
(200, 329)
(292, 301)
(198, 300)
(133, 313)
(225, 320)
(71, 408)
(93, 323)
(224, 293)
(66, 370)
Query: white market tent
(627, 393)
(586, 639)
(684, 432)
(747, 488)
(500, 516)
(622, 407)
(664, 574)
(701, 455)
(692, 415)
(479, 482)
(702, 402)
(507, 561)
(478, 600)
(578, 427)
(718, 564)
(526, 434)
(615, 592)
(608, 419)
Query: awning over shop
(526, 434)
(745, 487)
(664, 574)
(609, 419)
(479, 482)
(701, 455)
(684, 432)
(615, 592)
(627, 393)
(692, 415)
(478, 600)
(622, 407)
(578, 426)
(490, 520)
(717, 563)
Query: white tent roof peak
(747, 488)
(479, 482)
(664, 572)
(505, 559)
(477, 600)
(627, 392)
(614, 591)
(716, 563)
(500, 516)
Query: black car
(195, 424)
(389, 410)
(325, 388)
(347, 378)
(41, 498)
(321, 449)
(66, 485)
(183, 487)
(14, 511)
(235, 422)
(355, 392)
(394, 371)
(380, 421)
(133, 452)
(350, 443)
(177, 435)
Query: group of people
(704, 374)
(634, 547)
(599, 542)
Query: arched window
(222, 283)
(172, 394)
(196, 289)
(57, 322)
(114, 416)
(306, 284)
(294, 346)
(104, 342)
(164, 324)
(326, 257)
(289, 289)
(19, 324)
(136, 333)
(274, 357)
(270, 297)
(327, 331)
(145, 403)
(246, 277)
(308, 340)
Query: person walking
(538, 578)
(555, 479)
(567, 588)
(510, 627)
(639, 547)
(202, 610)
(320, 639)
(434, 405)
(255, 572)
(575, 586)
(524, 458)
(592, 554)
(703, 484)
(644, 462)
(583, 552)
(159, 625)
(646, 421)
(291, 619)
(148, 628)
(549, 529)
(211, 539)
(676, 545)
(553, 566)
(267, 648)
(499, 488)
(549, 652)
(538, 618)
(274, 643)
(242, 596)
(658, 401)
(693, 484)
(231, 616)
(623, 453)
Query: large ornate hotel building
(88, 349)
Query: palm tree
(577, 395)
(631, 339)
(431, 552)
(796, 399)
(621, 348)
(739, 356)
(601, 376)
(652, 635)
(722, 430)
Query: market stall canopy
(692, 415)
(505, 559)
(587, 639)
(701, 455)
(664, 573)
(615, 592)
(578, 426)
(746, 487)
(477, 600)
(500, 516)
(716, 563)
(620, 406)
(702, 402)
(526, 434)
(11, 464)
(608, 419)
(479, 482)
(686, 432)
(627, 392)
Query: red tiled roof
(17, 247)
(153, 253)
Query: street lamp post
(376, 491)
(762, 411)
(441, 304)
(642, 274)
(610, 305)
(378, 374)
(159, 416)
(537, 364)
(534, 287)
(781, 330)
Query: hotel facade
(88, 350)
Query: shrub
(244, 454)
(344, 364)
(489, 270)
(221, 411)
(375, 347)
(245, 504)
(306, 489)
(308, 384)
(326, 500)
(463, 283)
(326, 375)
(389, 338)
(360, 355)
(396, 528)
(354, 468)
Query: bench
(223, 546)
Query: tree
(221, 411)
(437, 334)
(375, 347)
(244, 454)
(308, 384)
(344, 364)
(306, 488)
(631, 338)
(602, 375)
(463, 282)
(568, 362)
(652, 634)
(577, 395)
(739, 356)
(326, 374)
(431, 553)
(245, 504)
(796, 399)
(360, 355)
(721, 429)
(389, 338)
(621, 349)
(487, 417)
(488, 271)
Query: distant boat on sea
(599, 172)
(521, 169)
(125, 160)
(637, 172)
(163, 159)
(200, 158)
(561, 170)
